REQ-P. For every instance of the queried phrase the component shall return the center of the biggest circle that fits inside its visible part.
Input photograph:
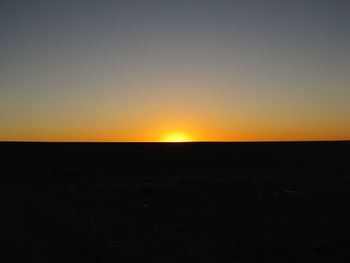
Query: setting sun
(177, 137)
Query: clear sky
(144, 70)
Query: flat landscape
(170, 202)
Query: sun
(176, 137)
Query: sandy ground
(198, 215)
(168, 219)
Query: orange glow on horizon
(176, 137)
(177, 132)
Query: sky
(150, 70)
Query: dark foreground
(200, 202)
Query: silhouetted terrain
(201, 202)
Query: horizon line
(185, 142)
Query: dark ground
(200, 202)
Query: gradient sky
(141, 70)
